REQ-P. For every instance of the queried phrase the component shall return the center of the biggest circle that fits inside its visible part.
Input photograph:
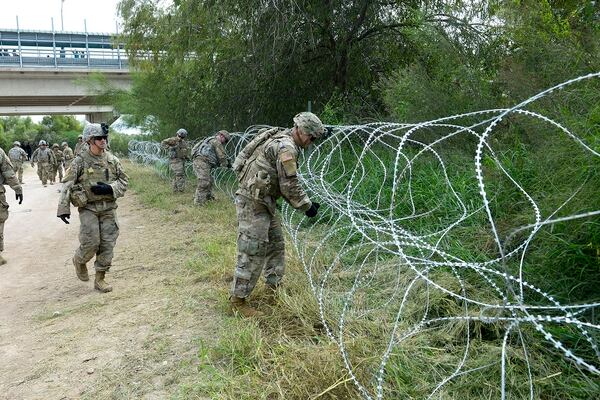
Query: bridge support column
(98, 117)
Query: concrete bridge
(44, 72)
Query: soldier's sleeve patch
(288, 162)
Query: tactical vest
(97, 169)
(240, 162)
(58, 155)
(15, 154)
(259, 177)
(43, 156)
(202, 148)
(68, 153)
(179, 151)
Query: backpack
(242, 158)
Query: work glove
(312, 211)
(101, 188)
(19, 196)
(65, 218)
(229, 165)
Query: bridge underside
(34, 91)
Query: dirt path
(60, 339)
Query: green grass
(286, 355)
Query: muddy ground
(60, 339)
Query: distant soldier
(7, 177)
(67, 154)
(93, 184)
(80, 144)
(206, 155)
(179, 152)
(267, 170)
(44, 157)
(58, 166)
(17, 155)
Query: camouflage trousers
(3, 218)
(56, 168)
(204, 189)
(178, 169)
(44, 170)
(260, 245)
(98, 233)
(18, 167)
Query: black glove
(101, 188)
(229, 164)
(65, 218)
(312, 211)
(19, 197)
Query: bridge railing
(49, 57)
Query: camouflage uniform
(268, 174)
(68, 155)
(207, 155)
(99, 229)
(58, 165)
(7, 176)
(17, 155)
(79, 146)
(178, 153)
(45, 160)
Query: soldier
(17, 155)
(206, 155)
(266, 170)
(67, 154)
(79, 146)
(58, 165)
(7, 176)
(178, 153)
(45, 160)
(93, 183)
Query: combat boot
(239, 305)
(100, 284)
(81, 271)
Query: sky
(100, 15)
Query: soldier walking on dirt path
(179, 152)
(206, 155)
(93, 183)
(45, 160)
(58, 165)
(67, 154)
(267, 170)
(17, 156)
(80, 145)
(7, 177)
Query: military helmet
(42, 143)
(309, 123)
(55, 146)
(182, 132)
(63, 144)
(225, 134)
(92, 130)
(80, 137)
(16, 143)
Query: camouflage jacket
(271, 172)
(177, 148)
(211, 149)
(68, 153)
(17, 154)
(79, 147)
(58, 155)
(87, 170)
(43, 156)
(7, 174)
